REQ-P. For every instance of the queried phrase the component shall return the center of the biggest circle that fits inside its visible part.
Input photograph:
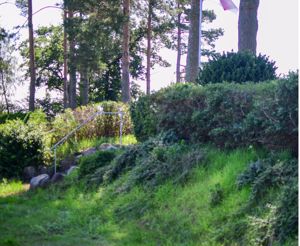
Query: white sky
(277, 33)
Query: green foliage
(217, 195)
(151, 164)
(279, 173)
(101, 126)
(88, 164)
(238, 67)
(21, 145)
(12, 116)
(227, 115)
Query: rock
(45, 170)
(67, 163)
(71, 169)
(89, 151)
(39, 181)
(57, 177)
(107, 146)
(28, 173)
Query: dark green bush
(21, 145)
(102, 126)
(88, 164)
(227, 115)
(238, 67)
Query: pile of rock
(44, 176)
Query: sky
(277, 37)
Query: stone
(71, 169)
(29, 172)
(107, 146)
(67, 163)
(57, 177)
(39, 181)
(89, 151)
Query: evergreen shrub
(238, 67)
(227, 115)
(22, 145)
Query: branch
(46, 7)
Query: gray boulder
(28, 173)
(89, 151)
(67, 163)
(39, 181)
(107, 146)
(57, 177)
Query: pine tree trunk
(149, 37)
(84, 87)
(31, 59)
(192, 66)
(65, 46)
(248, 25)
(178, 62)
(72, 66)
(125, 56)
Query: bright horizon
(277, 34)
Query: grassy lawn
(68, 214)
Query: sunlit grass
(77, 146)
(170, 215)
(8, 188)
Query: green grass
(170, 215)
(77, 146)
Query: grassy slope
(171, 215)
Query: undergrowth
(207, 207)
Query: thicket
(23, 144)
(227, 115)
(26, 141)
(238, 67)
(101, 126)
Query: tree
(125, 55)
(7, 68)
(190, 22)
(26, 10)
(247, 25)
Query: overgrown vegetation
(23, 145)
(227, 115)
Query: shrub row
(227, 115)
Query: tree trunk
(4, 92)
(178, 63)
(125, 56)
(65, 46)
(31, 59)
(149, 37)
(192, 66)
(248, 25)
(84, 87)
(72, 66)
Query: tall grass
(170, 215)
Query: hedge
(227, 115)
